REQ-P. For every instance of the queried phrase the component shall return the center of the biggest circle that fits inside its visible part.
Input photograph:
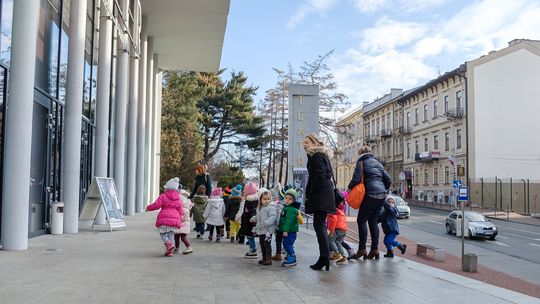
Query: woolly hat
(227, 191)
(262, 191)
(237, 191)
(172, 184)
(184, 193)
(251, 188)
(291, 192)
(283, 190)
(217, 192)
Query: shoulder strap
(363, 173)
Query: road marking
(527, 231)
(524, 237)
(436, 222)
(534, 244)
(503, 237)
(499, 243)
(414, 217)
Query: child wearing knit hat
(289, 223)
(231, 209)
(247, 210)
(169, 218)
(213, 215)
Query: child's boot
(169, 247)
(389, 254)
(290, 261)
(402, 248)
(335, 257)
(232, 239)
(188, 250)
(267, 260)
(228, 234)
(277, 257)
(342, 261)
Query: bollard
(470, 262)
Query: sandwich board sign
(103, 192)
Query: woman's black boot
(321, 263)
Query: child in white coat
(214, 213)
(186, 224)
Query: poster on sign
(102, 193)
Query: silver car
(476, 224)
(403, 208)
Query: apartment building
(350, 139)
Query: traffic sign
(457, 183)
(463, 194)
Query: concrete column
(103, 97)
(18, 136)
(154, 190)
(122, 82)
(149, 120)
(141, 119)
(159, 79)
(131, 190)
(73, 112)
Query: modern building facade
(81, 95)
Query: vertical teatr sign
(303, 120)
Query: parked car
(403, 208)
(477, 225)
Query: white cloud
(367, 6)
(311, 7)
(370, 6)
(388, 34)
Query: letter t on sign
(301, 99)
(299, 116)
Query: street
(516, 250)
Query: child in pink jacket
(169, 219)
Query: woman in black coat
(201, 178)
(377, 182)
(319, 194)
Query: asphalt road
(516, 250)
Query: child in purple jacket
(169, 219)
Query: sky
(378, 44)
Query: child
(186, 224)
(235, 199)
(213, 215)
(169, 219)
(266, 224)
(248, 209)
(226, 196)
(337, 225)
(390, 227)
(200, 201)
(289, 225)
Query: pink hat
(217, 192)
(345, 194)
(251, 188)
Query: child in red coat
(337, 225)
(169, 219)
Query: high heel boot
(321, 262)
(359, 254)
(373, 254)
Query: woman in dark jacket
(377, 182)
(201, 178)
(319, 194)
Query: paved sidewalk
(128, 267)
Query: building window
(377, 128)
(388, 123)
(416, 114)
(425, 177)
(458, 99)
(416, 146)
(435, 176)
(458, 139)
(446, 104)
(446, 175)
(446, 141)
(425, 112)
(435, 109)
(401, 146)
(426, 145)
(408, 119)
(436, 142)
(408, 150)
(416, 177)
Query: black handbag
(337, 194)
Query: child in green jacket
(288, 224)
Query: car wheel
(448, 229)
(470, 235)
(492, 237)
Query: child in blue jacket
(390, 227)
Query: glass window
(446, 104)
(64, 42)
(48, 43)
(416, 114)
(446, 174)
(435, 142)
(458, 139)
(426, 145)
(416, 146)
(435, 110)
(416, 177)
(425, 112)
(401, 145)
(425, 177)
(446, 141)
(458, 99)
(435, 176)
(408, 119)
(408, 150)
(6, 16)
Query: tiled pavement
(128, 267)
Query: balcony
(405, 130)
(455, 113)
(386, 133)
(427, 156)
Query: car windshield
(475, 217)
(400, 202)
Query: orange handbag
(356, 196)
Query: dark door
(3, 98)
